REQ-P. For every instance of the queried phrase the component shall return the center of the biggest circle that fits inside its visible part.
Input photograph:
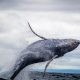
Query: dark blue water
(72, 71)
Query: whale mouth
(78, 41)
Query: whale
(43, 50)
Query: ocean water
(71, 71)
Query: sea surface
(71, 71)
(36, 75)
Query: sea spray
(23, 75)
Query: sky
(49, 18)
(40, 5)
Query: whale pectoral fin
(48, 64)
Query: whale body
(44, 50)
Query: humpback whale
(44, 50)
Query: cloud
(70, 5)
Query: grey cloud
(40, 4)
(3, 29)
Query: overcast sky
(69, 5)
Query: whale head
(66, 45)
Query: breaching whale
(44, 50)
